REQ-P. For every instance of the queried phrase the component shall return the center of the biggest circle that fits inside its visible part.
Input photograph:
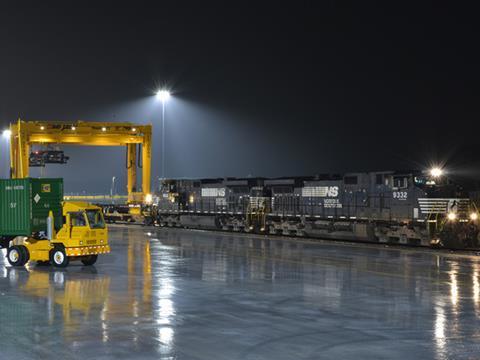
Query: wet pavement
(179, 294)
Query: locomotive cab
(451, 216)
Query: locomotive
(415, 208)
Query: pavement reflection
(178, 294)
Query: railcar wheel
(89, 260)
(59, 258)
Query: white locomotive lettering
(213, 192)
(400, 195)
(320, 191)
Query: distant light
(104, 128)
(163, 95)
(436, 172)
(7, 133)
(474, 216)
(134, 129)
(451, 216)
(73, 128)
(42, 127)
(148, 198)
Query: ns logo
(331, 191)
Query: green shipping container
(25, 204)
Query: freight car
(396, 207)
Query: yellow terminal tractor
(37, 225)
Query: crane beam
(84, 133)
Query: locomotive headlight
(474, 216)
(191, 199)
(451, 216)
(436, 172)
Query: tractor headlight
(474, 216)
(452, 216)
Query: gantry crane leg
(146, 160)
(131, 168)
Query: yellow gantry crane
(24, 134)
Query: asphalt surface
(180, 294)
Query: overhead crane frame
(24, 134)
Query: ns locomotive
(395, 207)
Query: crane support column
(131, 168)
(146, 161)
(19, 151)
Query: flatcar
(396, 207)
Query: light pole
(112, 188)
(163, 96)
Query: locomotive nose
(460, 235)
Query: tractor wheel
(59, 258)
(90, 260)
(17, 256)
(26, 254)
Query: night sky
(258, 90)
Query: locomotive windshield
(439, 188)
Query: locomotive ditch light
(452, 216)
(474, 216)
(436, 172)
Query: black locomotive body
(400, 207)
